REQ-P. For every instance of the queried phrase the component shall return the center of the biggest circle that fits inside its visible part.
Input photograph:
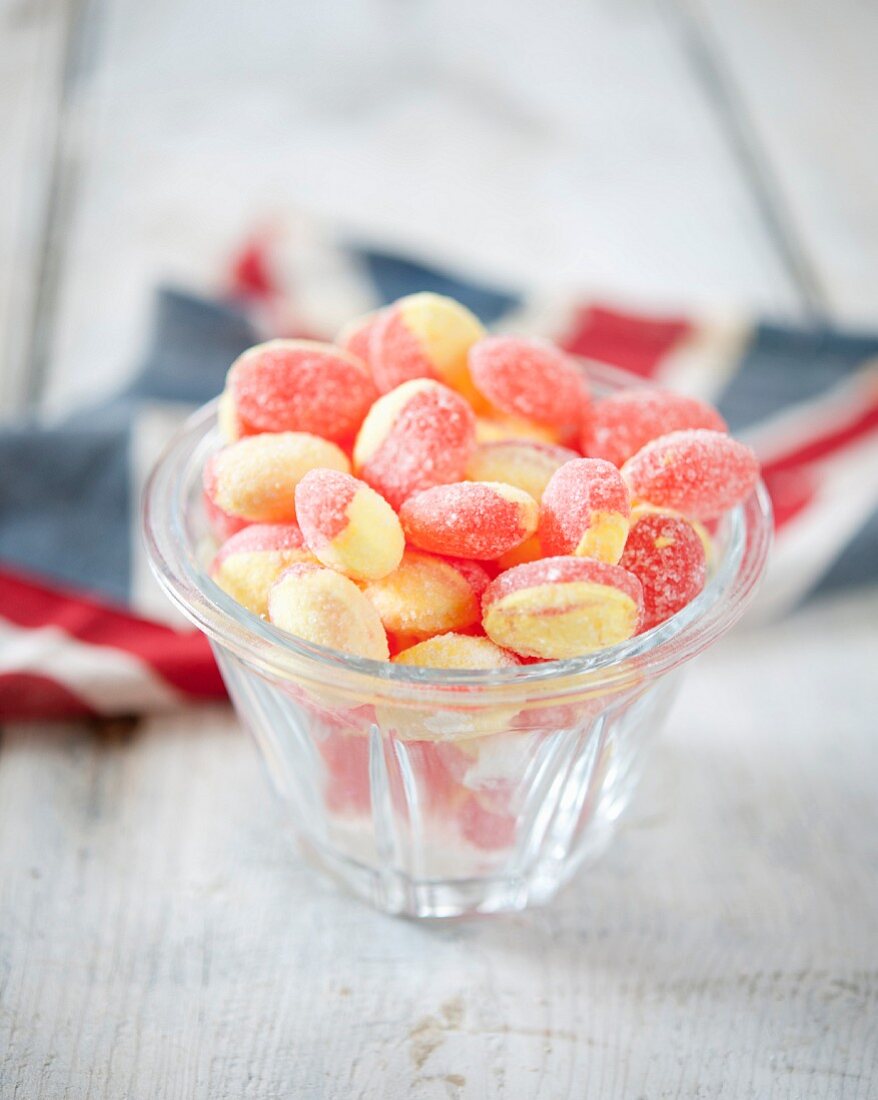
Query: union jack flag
(84, 629)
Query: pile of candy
(424, 493)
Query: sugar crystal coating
(221, 523)
(619, 425)
(428, 595)
(529, 378)
(300, 386)
(419, 435)
(255, 478)
(456, 651)
(469, 519)
(585, 510)
(248, 563)
(562, 607)
(666, 554)
(698, 472)
(326, 608)
(526, 464)
(348, 526)
(424, 336)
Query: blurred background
(682, 154)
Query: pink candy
(699, 473)
(469, 519)
(621, 424)
(300, 386)
(666, 554)
(529, 378)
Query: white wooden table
(158, 937)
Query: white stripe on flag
(105, 678)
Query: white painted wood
(807, 79)
(32, 41)
(159, 940)
(589, 159)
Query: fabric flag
(84, 629)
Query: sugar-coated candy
(300, 386)
(348, 526)
(456, 651)
(248, 564)
(483, 827)
(700, 473)
(326, 608)
(585, 510)
(666, 554)
(221, 523)
(529, 550)
(529, 378)
(356, 336)
(424, 336)
(619, 425)
(469, 519)
(419, 435)
(428, 595)
(496, 427)
(256, 477)
(562, 607)
(523, 463)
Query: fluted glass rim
(175, 561)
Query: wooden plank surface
(160, 940)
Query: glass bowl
(435, 793)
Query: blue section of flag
(393, 277)
(784, 366)
(65, 506)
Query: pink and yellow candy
(326, 608)
(469, 519)
(423, 336)
(248, 564)
(585, 510)
(255, 478)
(562, 607)
(419, 435)
(348, 526)
(700, 473)
(300, 386)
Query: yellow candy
(497, 427)
(456, 651)
(526, 464)
(428, 595)
(348, 526)
(256, 477)
(326, 608)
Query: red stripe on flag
(182, 658)
(634, 343)
(27, 695)
(864, 421)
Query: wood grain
(160, 939)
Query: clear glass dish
(436, 793)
